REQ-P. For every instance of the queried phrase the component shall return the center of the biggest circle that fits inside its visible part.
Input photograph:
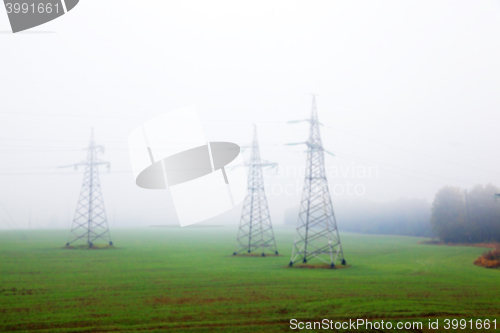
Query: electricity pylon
(90, 223)
(317, 234)
(256, 230)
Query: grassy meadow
(186, 280)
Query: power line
(276, 150)
(37, 151)
(132, 117)
(70, 115)
(360, 158)
(415, 152)
(427, 134)
(393, 166)
(409, 151)
(56, 173)
(403, 174)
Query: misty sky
(407, 88)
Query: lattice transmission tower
(90, 224)
(317, 234)
(256, 230)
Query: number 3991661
(25, 8)
(472, 324)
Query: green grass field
(186, 280)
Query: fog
(407, 90)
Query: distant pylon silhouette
(317, 234)
(256, 231)
(90, 223)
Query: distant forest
(409, 217)
(455, 221)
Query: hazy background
(408, 88)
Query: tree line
(466, 217)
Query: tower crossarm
(312, 146)
(305, 120)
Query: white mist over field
(407, 90)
